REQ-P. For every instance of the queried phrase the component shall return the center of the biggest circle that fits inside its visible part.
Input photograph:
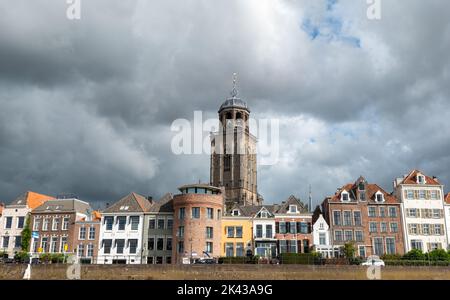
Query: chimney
(150, 199)
(107, 205)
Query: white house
(13, 220)
(321, 239)
(447, 218)
(264, 232)
(422, 205)
(121, 231)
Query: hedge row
(404, 262)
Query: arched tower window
(228, 116)
(239, 116)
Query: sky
(86, 106)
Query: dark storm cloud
(86, 106)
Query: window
(322, 239)
(259, 231)
(422, 195)
(229, 251)
(209, 232)
(55, 224)
(151, 224)
(416, 244)
(209, 213)
(410, 194)
(362, 196)
(282, 226)
(348, 235)
(362, 251)
(122, 221)
(168, 260)
(338, 236)
(132, 244)
(151, 244)
(347, 218)
(382, 212)
(107, 246)
(181, 213)
(392, 212)
(109, 223)
(421, 179)
(379, 197)
(120, 244)
(283, 246)
(293, 208)
(80, 250)
(181, 232)
(5, 243)
(357, 218)
(373, 227)
(394, 227)
(134, 221)
(293, 246)
(90, 250)
(36, 224)
(239, 249)
(196, 213)
(8, 223)
(20, 222)
(169, 244)
(45, 224)
(44, 243)
(359, 236)
(304, 227)
(437, 229)
(361, 186)
(219, 214)
(378, 246)
(239, 231)
(321, 226)
(345, 196)
(434, 246)
(269, 232)
(413, 213)
(383, 227)
(92, 233)
(372, 211)
(293, 227)
(169, 223)
(434, 195)
(53, 243)
(82, 233)
(390, 246)
(235, 212)
(18, 241)
(160, 223)
(436, 213)
(337, 218)
(413, 229)
(63, 244)
(230, 231)
(426, 229)
(209, 247)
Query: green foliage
(414, 254)
(26, 235)
(391, 257)
(53, 258)
(22, 257)
(239, 260)
(405, 262)
(349, 250)
(438, 255)
(3, 254)
(299, 258)
(355, 261)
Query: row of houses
(195, 223)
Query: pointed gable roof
(165, 204)
(411, 178)
(132, 202)
(292, 200)
(31, 199)
(371, 190)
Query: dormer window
(345, 197)
(235, 212)
(421, 179)
(264, 214)
(379, 197)
(293, 209)
(361, 186)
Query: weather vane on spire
(234, 92)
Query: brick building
(197, 222)
(367, 216)
(86, 237)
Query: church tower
(233, 153)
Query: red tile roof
(447, 198)
(1, 208)
(411, 178)
(371, 190)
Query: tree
(438, 255)
(414, 254)
(349, 250)
(26, 236)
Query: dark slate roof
(64, 205)
(234, 103)
(165, 204)
(133, 202)
(292, 200)
(251, 210)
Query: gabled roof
(411, 178)
(133, 202)
(250, 210)
(447, 199)
(64, 205)
(31, 199)
(292, 200)
(370, 189)
(165, 204)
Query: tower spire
(234, 91)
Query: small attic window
(361, 186)
(235, 212)
(264, 214)
(379, 197)
(19, 202)
(124, 207)
(345, 197)
(421, 179)
(293, 209)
